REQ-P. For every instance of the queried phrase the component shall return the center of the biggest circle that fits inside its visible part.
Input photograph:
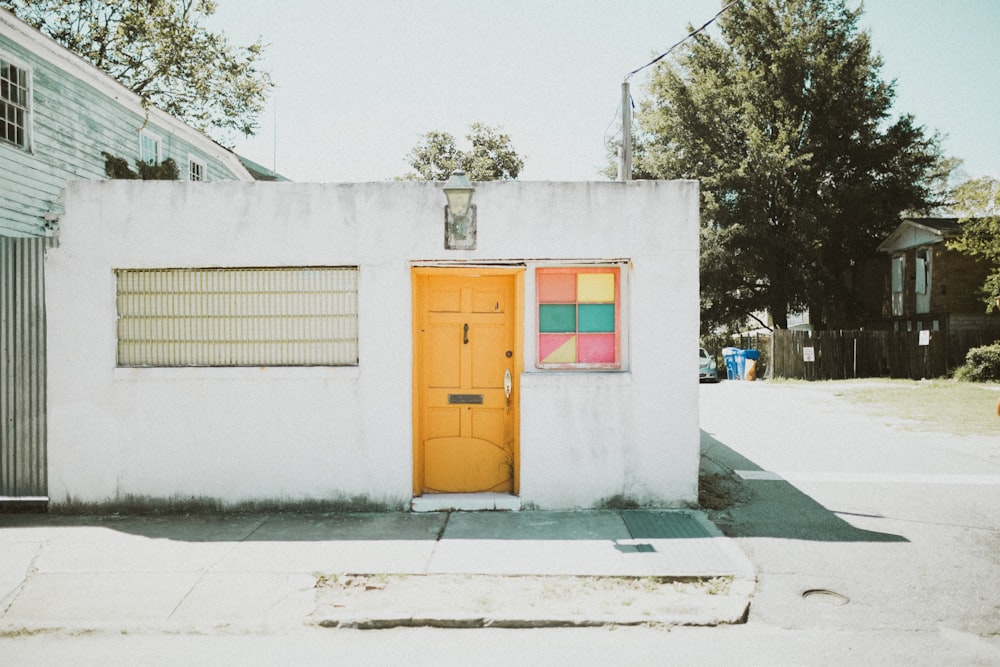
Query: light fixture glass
(459, 191)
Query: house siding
(71, 123)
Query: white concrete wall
(287, 434)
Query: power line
(692, 34)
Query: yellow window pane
(595, 287)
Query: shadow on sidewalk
(768, 508)
(309, 526)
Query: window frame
(237, 317)
(146, 135)
(897, 283)
(28, 107)
(618, 318)
(202, 167)
(921, 283)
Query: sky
(359, 82)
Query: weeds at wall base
(136, 505)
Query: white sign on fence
(925, 337)
(808, 354)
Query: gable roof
(59, 56)
(260, 172)
(914, 232)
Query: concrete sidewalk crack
(8, 600)
(208, 568)
(437, 541)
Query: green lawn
(965, 408)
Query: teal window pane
(556, 318)
(597, 317)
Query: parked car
(708, 370)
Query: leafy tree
(161, 51)
(491, 158)
(978, 202)
(785, 121)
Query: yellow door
(467, 365)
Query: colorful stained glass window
(578, 317)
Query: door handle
(465, 335)
(507, 385)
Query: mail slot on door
(465, 399)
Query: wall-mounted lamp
(460, 213)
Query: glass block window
(579, 324)
(14, 100)
(289, 316)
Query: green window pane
(597, 317)
(556, 318)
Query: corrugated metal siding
(23, 464)
(288, 316)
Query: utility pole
(625, 164)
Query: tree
(785, 122)
(161, 51)
(978, 202)
(491, 158)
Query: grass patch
(947, 406)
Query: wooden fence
(839, 355)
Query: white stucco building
(300, 342)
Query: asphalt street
(902, 524)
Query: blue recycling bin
(731, 357)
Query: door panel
(466, 338)
(465, 465)
(443, 366)
(487, 367)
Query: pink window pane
(596, 349)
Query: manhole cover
(824, 596)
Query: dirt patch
(717, 491)
(371, 601)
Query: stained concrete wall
(296, 434)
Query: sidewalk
(269, 572)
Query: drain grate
(662, 525)
(635, 548)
